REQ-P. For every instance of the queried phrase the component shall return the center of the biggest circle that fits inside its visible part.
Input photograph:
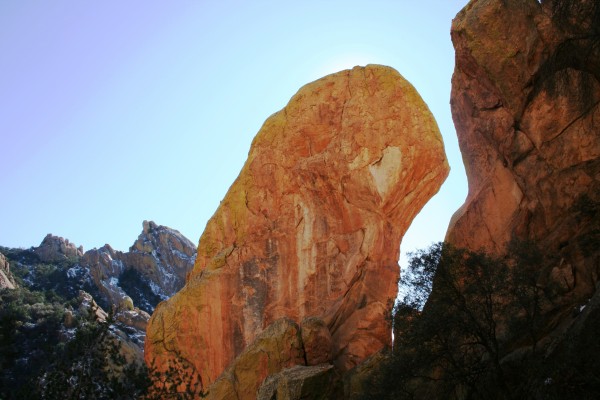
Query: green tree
(451, 344)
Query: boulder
(316, 340)
(89, 309)
(312, 225)
(134, 318)
(298, 383)
(276, 348)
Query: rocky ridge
(310, 228)
(127, 284)
(158, 260)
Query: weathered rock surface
(298, 383)
(276, 348)
(317, 342)
(526, 105)
(161, 257)
(312, 225)
(55, 248)
(357, 379)
(105, 267)
(128, 327)
(6, 279)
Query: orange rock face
(312, 225)
(525, 102)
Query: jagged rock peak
(55, 248)
(160, 256)
(154, 236)
(149, 226)
(312, 225)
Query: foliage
(179, 381)
(40, 357)
(86, 368)
(453, 344)
(29, 331)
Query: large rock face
(525, 102)
(312, 225)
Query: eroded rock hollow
(310, 228)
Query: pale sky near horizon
(116, 112)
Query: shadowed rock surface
(526, 105)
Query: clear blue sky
(112, 112)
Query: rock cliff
(6, 279)
(526, 105)
(310, 228)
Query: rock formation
(310, 228)
(54, 249)
(276, 348)
(128, 284)
(105, 267)
(57, 280)
(161, 257)
(6, 279)
(298, 383)
(525, 102)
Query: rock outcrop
(128, 284)
(55, 249)
(56, 280)
(6, 279)
(105, 267)
(162, 255)
(159, 260)
(128, 327)
(276, 348)
(298, 383)
(526, 105)
(311, 227)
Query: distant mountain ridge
(113, 291)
